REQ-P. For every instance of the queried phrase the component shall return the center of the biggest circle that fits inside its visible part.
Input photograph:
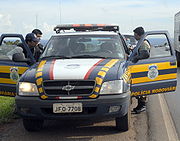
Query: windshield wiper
(56, 57)
(88, 56)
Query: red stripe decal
(91, 69)
(79, 97)
(51, 70)
(57, 97)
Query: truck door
(10, 71)
(158, 73)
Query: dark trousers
(141, 101)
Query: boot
(140, 107)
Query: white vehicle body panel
(177, 31)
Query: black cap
(37, 31)
(32, 37)
(139, 31)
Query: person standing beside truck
(32, 41)
(38, 34)
(143, 53)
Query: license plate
(67, 107)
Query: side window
(9, 46)
(159, 45)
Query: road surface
(78, 131)
(173, 101)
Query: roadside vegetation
(7, 106)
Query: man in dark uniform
(144, 50)
(38, 34)
(143, 53)
(32, 41)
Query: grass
(7, 106)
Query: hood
(99, 70)
(78, 69)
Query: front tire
(33, 125)
(123, 123)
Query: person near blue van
(144, 52)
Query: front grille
(73, 88)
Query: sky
(22, 16)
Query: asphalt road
(78, 131)
(173, 101)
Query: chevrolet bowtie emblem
(68, 88)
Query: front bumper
(34, 107)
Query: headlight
(28, 89)
(112, 87)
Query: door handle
(173, 63)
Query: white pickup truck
(177, 36)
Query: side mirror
(179, 38)
(19, 57)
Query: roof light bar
(87, 27)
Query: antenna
(36, 20)
(60, 11)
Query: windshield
(85, 46)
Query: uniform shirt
(145, 46)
